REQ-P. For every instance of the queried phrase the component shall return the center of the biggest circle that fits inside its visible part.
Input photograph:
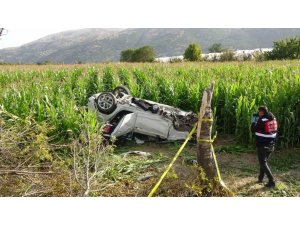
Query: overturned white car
(129, 117)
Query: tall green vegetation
(58, 97)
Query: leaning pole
(205, 121)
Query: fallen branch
(33, 194)
(26, 167)
(23, 172)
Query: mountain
(96, 45)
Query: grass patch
(282, 190)
(285, 160)
(249, 169)
(235, 148)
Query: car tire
(154, 109)
(120, 90)
(106, 103)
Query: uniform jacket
(265, 129)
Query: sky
(18, 36)
(40, 18)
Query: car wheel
(154, 109)
(120, 90)
(106, 103)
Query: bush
(285, 49)
(143, 54)
(228, 55)
(193, 52)
(175, 60)
(260, 56)
(126, 55)
(216, 47)
(247, 57)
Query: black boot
(271, 184)
(259, 181)
(261, 176)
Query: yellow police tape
(180, 150)
(207, 120)
(172, 162)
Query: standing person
(265, 128)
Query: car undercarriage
(127, 117)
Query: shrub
(228, 55)
(193, 52)
(216, 47)
(143, 54)
(285, 49)
(126, 55)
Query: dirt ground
(130, 175)
(240, 173)
(239, 167)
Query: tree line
(288, 48)
(143, 54)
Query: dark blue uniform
(265, 130)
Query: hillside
(96, 45)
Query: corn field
(58, 95)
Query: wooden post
(204, 153)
